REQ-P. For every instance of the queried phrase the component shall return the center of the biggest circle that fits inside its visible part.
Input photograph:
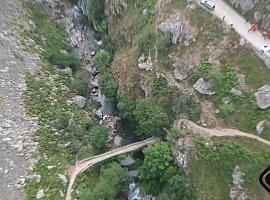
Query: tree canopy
(113, 179)
(151, 118)
(98, 137)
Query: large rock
(117, 140)
(66, 71)
(133, 173)
(245, 5)
(40, 194)
(63, 179)
(174, 28)
(263, 97)
(260, 126)
(179, 75)
(202, 87)
(127, 162)
(80, 101)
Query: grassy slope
(44, 98)
(211, 173)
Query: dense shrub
(102, 60)
(226, 109)
(55, 57)
(95, 11)
(108, 85)
(80, 83)
(62, 120)
(98, 137)
(144, 40)
(113, 179)
(150, 117)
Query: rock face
(245, 5)
(80, 101)
(203, 87)
(174, 28)
(263, 97)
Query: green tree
(98, 137)
(175, 189)
(80, 83)
(157, 158)
(108, 85)
(113, 179)
(95, 10)
(102, 60)
(151, 118)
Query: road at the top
(239, 24)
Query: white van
(209, 4)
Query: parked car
(210, 4)
(266, 50)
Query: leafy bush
(226, 109)
(62, 120)
(95, 11)
(164, 43)
(151, 118)
(98, 137)
(102, 60)
(108, 85)
(144, 40)
(157, 158)
(113, 179)
(55, 57)
(80, 83)
(176, 188)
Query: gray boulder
(62, 178)
(174, 28)
(178, 75)
(202, 87)
(127, 162)
(117, 140)
(263, 97)
(66, 71)
(261, 126)
(40, 194)
(80, 101)
(133, 173)
(235, 92)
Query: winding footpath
(83, 165)
(218, 132)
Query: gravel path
(15, 126)
(218, 132)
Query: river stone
(133, 173)
(127, 162)
(235, 92)
(63, 179)
(263, 97)
(178, 75)
(202, 87)
(80, 101)
(66, 71)
(260, 126)
(34, 177)
(40, 194)
(117, 140)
